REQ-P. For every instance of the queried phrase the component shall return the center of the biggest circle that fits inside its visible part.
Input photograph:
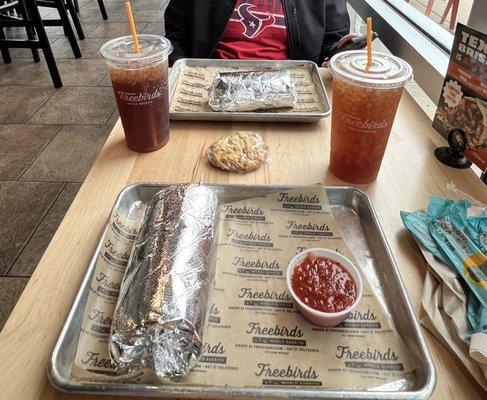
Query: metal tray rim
(246, 116)
(66, 385)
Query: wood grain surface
(300, 155)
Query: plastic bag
(458, 239)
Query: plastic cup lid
(387, 71)
(152, 48)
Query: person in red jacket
(256, 29)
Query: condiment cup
(319, 317)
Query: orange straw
(369, 42)
(133, 31)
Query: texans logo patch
(254, 22)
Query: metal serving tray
(360, 227)
(249, 116)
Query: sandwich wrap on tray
(161, 310)
(251, 91)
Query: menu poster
(463, 99)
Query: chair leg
(4, 50)
(67, 28)
(454, 12)
(33, 11)
(76, 6)
(74, 17)
(447, 10)
(103, 10)
(29, 29)
(429, 7)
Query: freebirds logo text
(359, 124)
(131, 97)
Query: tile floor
(49, 138)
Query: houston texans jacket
(195, 26)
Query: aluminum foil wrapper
(161, 310)
(251, 91)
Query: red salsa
(323, 284)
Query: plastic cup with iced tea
(140, 86)
(365, 101)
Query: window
(446, 13)
(436, 18)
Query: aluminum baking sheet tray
(358, 222)
(250, 116)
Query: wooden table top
(409, 175)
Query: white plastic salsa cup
(325, 319)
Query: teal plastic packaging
(456, 234)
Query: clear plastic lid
(386, 71)
(153, 48)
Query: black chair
(69, 7)
(32, 19)
(101, 4)
(14, 11)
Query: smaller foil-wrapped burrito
(161, 310)
(251, 91)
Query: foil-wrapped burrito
(161, 310)
(251, 91)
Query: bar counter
(300, 155)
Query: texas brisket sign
(463, 99)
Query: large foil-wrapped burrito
(251, 91)
(161, 310)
